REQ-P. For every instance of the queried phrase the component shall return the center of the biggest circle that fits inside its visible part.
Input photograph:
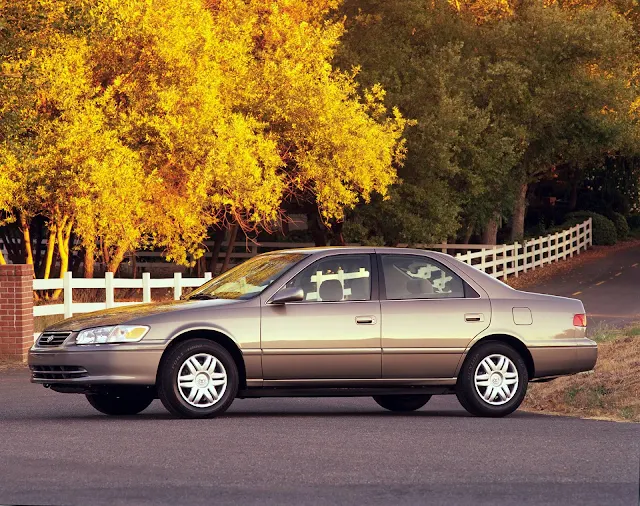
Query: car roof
(358, 249)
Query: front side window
(248, 279)
(415, 277)
(335, 279)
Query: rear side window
(417, 277)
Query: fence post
(516, 258)
(67, 294)
(505, 259)
(177, 285)
(146, 287)
(16, 311)
(108, 289)
(207, 276)
(590, 228)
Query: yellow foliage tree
(148, 122)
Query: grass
(611, 391)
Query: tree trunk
(317, 228)
(51, 246)
(519, 211)
(134, 264)
(573, 196)
(338, 237)
(89, 259)
(468, 232)
(38, 225)
(26, 236)
(232, 239)
(490, 232)
(64, 234)
(116, 259)
(218, 239)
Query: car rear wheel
(198, 379)
(122, 400)
(402, 403)
(493, 380)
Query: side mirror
(291, 294)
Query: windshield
(249, 278)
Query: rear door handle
(474, 317)
(366, 320)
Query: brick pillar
(16, 311)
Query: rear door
(429, 316)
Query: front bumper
(101, 364)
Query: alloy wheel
(496, 379)
(202, 380)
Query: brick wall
(16, 311)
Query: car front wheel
(122, 400)
(493, 380)
(402, 403)
(198, 379)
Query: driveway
(609, 287)
(54, 449)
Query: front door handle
(366, 320)
(474, 317)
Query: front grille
(42, 372)
(51, 339)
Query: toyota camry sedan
(399, 325)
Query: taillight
(580, 320)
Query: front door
(334, 334)
(429, 316)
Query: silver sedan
(399, 325)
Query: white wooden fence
(511, 259)
(498, 261)
(109, 284)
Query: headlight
(117, 334)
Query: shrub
(604, 231)
(634, 221)
(620, 222)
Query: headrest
(360, 289)
(419, 286)
(331, 290)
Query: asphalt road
(54, 449)
(608, 287)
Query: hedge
(634, 221)
(620, 222)
(604, 230)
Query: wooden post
(109, 290)
(146, 287)
(67, 291)
(177, 285)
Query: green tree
(431, 61)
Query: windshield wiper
(201, 296)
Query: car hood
(124, 314)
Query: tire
(213, 387)
(402, 403)
(122, 400)
(501, 389)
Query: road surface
(608, 287)
(54, 449)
